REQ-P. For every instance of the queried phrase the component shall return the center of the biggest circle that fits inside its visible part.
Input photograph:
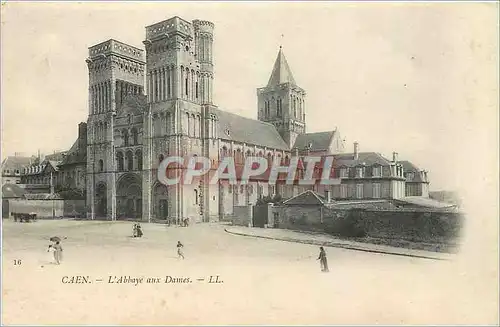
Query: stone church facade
(147, 105)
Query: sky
(420, 79)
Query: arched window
(130, 161)
(125, 137)
(101, 165)
(138, 154)
(134, 136)
(224, 151)
(119, 161)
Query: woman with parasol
(57, 248)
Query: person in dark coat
(322, 260)
(179, 250)
(139, 230)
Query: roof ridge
(244, 117)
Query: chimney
(328, 197)
(356, 150)
(82, 137)
(395, 157)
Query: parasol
(55, 239)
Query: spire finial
(282, 37)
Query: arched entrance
(101, 204)
(129, 196)
(160, 201)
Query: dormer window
(344, 172)
(377, 171)
(410, 176)
(360, 172)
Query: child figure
(179, 249)
(139, 230)
(57, 248)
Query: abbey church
(147, 105)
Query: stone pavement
(322, 239)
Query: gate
(260, 215)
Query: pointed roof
(306, 198)
(281, 71)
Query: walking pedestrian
(179, 250)
(57, 248)
(322, 260)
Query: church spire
(281, 71)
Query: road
(263, 281)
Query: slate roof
(368, 158)
(306, 198)
(15, 162)
(56, 156)
(281, 71)
(74, 155)
(12, 191)
(319, 141)
(54, 164)
(247, 130)
(409, 167)
(426, 202)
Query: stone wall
(416, 226)
(48, 208)
(242, 216)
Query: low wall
(242, 215)
(48, 208)
(416, 226)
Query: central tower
(282, 102)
